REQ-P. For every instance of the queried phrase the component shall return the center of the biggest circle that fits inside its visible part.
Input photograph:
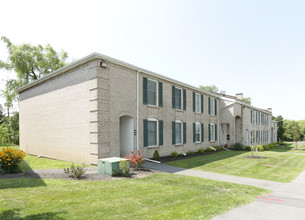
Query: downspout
(138, 109)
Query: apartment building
(99, 107)
(243, 123)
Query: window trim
(212, 131)
(212, 106)
(181, 132)
(198, 123)
(157, 92)
(157, 132)
(181, 103)
(199, 103)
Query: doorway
(126, 135)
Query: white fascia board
(115, 61)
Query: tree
(212, 88)
(295, 130)
(247, 100)
(280, 128)
(14, 128)
(30, 63)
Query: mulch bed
(87, 177)
(170, 159)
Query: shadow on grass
(21, 180)
(15, 214)
(288, 147)
(189, 163)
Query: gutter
(138, 109)
(94, 56)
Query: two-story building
(243, 123)
(100, 107)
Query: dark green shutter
(173, 96)
(209, 132)
(202, 132)
(160, 132)
(215, 132)
(184, 132)
(145, 129)
(194, 133)
(215, 100)
(144, 90)
(184, 99)
(194, 109)
(209, 105)
(160, 94)
(173, 132)
(201, 103)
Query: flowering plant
(136, 159)
(10, 160)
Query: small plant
(10, 160)
(174, 154)
(266, 147)
(237, 146)
(218, 148)
(260, 147)
(254, 151)
(124, 168)
(192, 153)
(182, 154)
(209, 149)
(200, 151)
(75, 171)
(156, 155)
(136, 159)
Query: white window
(152, 129)
(212, 106)
(178, 98)
(212, 132)
(198, 132)
(197, 103)
(178, 132)
(152, 92)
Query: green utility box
(108, 165)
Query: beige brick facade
(79, 112)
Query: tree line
(290, 130)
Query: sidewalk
(286, 202)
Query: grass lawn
(158, 196)
(277, 166)
(43, 163)
(290, 147)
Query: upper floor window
(178, 98)
(152, 91)
(212, 106)
(197, 103)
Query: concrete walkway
(287, 201)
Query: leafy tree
(247, 100)
(14, 128)
(280, 128)
(30, 63)
(1, 114)
(212, 88)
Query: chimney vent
(240, 96)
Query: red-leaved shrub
(136, 159)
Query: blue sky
(254, 47)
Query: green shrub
(191, 153)
(125, 168)
(209, 149)
(174, 154)
(247, 148)
(156, 155)
(260, 148)
(218, 148)
(237, 146)
(200, 151)
(181, 154)
(75, 171)
(266, 147)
